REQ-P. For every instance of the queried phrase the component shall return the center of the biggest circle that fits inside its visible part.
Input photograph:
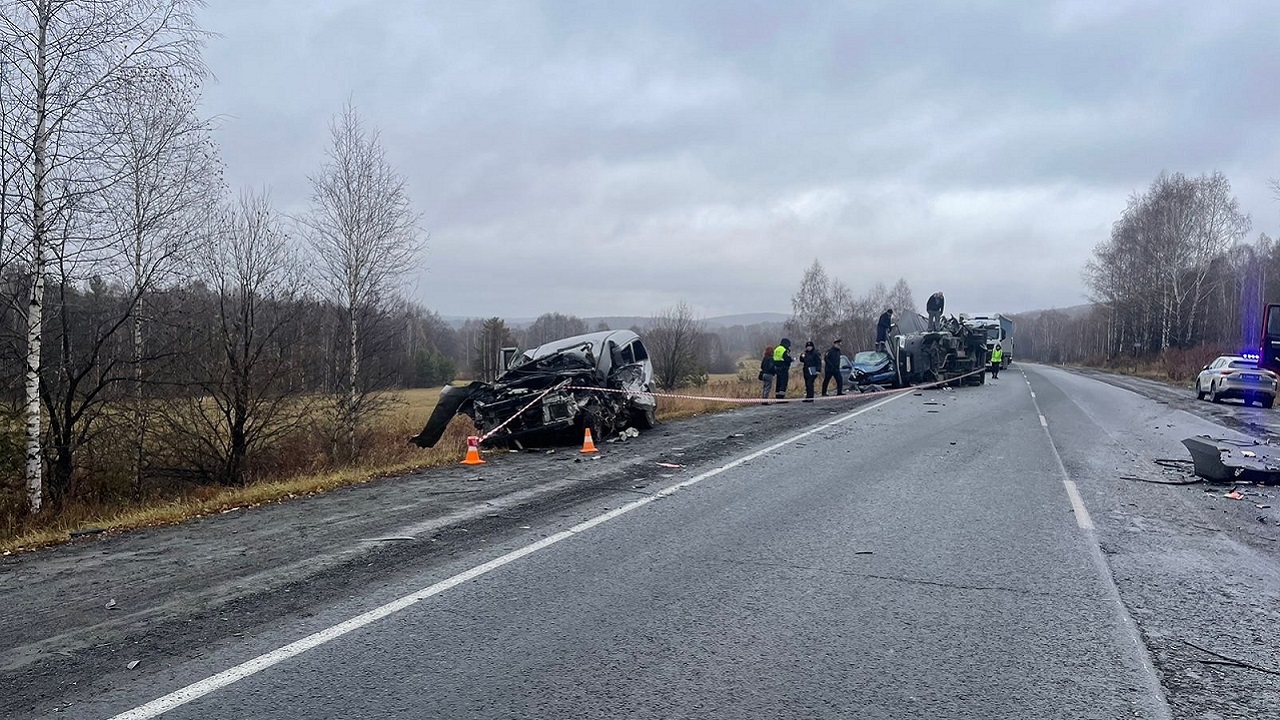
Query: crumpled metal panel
(1224, 459)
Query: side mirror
(1206, 367)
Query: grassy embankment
(390, 455)
(1174, 366)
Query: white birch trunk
(35, 310)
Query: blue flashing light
(1250, 356)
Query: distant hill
(1075, 312)
(620, 322)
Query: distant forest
(1177, 277)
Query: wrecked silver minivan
(599, 381)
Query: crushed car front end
(554, 392)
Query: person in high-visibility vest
(997, 357)
(781, 367)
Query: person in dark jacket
(833, 369)
(811, 365)
(882, 329)
(934, 306)
(766, 372)
(782, 367)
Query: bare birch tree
(169, 177)
(674, 342)
(365, 235)
(813, 308)
(69, 57)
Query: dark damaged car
(551, 393)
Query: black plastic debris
(1223, 459)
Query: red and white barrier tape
(520, 412)
(769, 401)
(712, 398)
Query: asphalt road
(960, 553)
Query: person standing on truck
(997, 357)
(766, 373)
(934, 307)
(832, 360)
(882, 329)
(810, 365)
(782, 367)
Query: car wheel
(646, 419)
(1268, 401)
(1213, 393)
(1199, 392)
(590, 418)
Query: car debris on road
(1224, 459)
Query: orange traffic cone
(588, 445)
(473, 451)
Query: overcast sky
(611, 158)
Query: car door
(1206, 375)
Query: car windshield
(870, 357)
(1244, 364)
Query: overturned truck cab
(958, 350)
(551, 393)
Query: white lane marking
(203, 687)
(1077, 503)
(1033, 392)
(1043, 422)
(1137, 646)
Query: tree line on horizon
(1177, 276)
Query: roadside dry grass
(1174, 365)
(389, 455)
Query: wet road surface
(949, 553)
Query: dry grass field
(389, 454)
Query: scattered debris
(1192, 481)
(1261, 506)
(132, 664)
(1226, 660)
(95, 530)
(111, 604)
(625, 435)
(737, 435)
(1226, 459)
(1234, 495)
(669, 465)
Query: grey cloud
(709, 151)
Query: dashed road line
(1137, 647)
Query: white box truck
(999, 330)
